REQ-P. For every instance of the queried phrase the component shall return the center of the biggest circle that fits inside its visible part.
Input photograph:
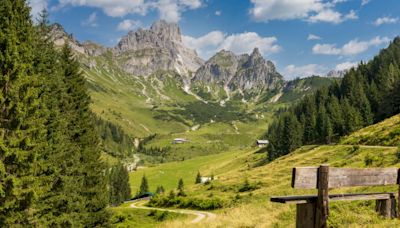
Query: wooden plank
(333, 197)
(322, 208)
(348, 177)
(305, 215)
(384, 207)
(353, 197)
(306, 177)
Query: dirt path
(200, 215)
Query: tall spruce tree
(82, 132)
(119, 185)
(144, 186)
(22, 132)
(59, 202)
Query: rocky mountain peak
(256, 53)
(165, 30)
(145, 51)
(60, 37)
(239, 72)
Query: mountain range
(150, 82)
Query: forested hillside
(51, 173)
(366, 95)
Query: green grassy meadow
(253, 208)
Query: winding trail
(200, 215)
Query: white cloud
(91, 21)
(128, 25)
(240, 43)
(385, 20)
(345, 66)
(218, 13)
(292, 71)
(309, 10)
(353, 47)
(246, 42)
(169, 10)
(313, 37)
(37, 6)
(265, 10)
(365, 2)
(326, 49)
(332, 16)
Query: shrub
(187, 202)
(246, 186)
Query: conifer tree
(144, 186)
(58, 201)
(119, 185)
(198, 178)
(22, 132)
(181, 188)
(82, 132)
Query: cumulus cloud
(365, 2)
(309, 10)
(91, 21)
(313, 37)
(169, 10)
(385, 20)
(332, 16)
(217, 13)
(128, 25)
(37, 6)
(292, 71)
(240, 43)
(345, 66)
(353, 47)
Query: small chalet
(205, 179)
(179, 141)
(262, 143)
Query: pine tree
(160, 190)
(181, 188)
(119, 185)
(22, 132)
(144, 186)
(82, 132)
(198, 178)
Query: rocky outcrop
(243, 72)
(336, 73)
(60, 37)
(93, 49)
(145, 51)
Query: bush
(246, 186)
(186, 202)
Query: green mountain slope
(253, 208)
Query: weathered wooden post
(305, 215)
(398, 195)
(322, 210)
(384, 207)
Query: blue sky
(302, 37)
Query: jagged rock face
(144, 52)
(242, 72)
(60, 37)
(336, 73)
(94, 49)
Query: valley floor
(251, 207)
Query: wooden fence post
(398, 195)
(305, 215)
(322, 210)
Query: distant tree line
(114, 140)
(364, 96)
